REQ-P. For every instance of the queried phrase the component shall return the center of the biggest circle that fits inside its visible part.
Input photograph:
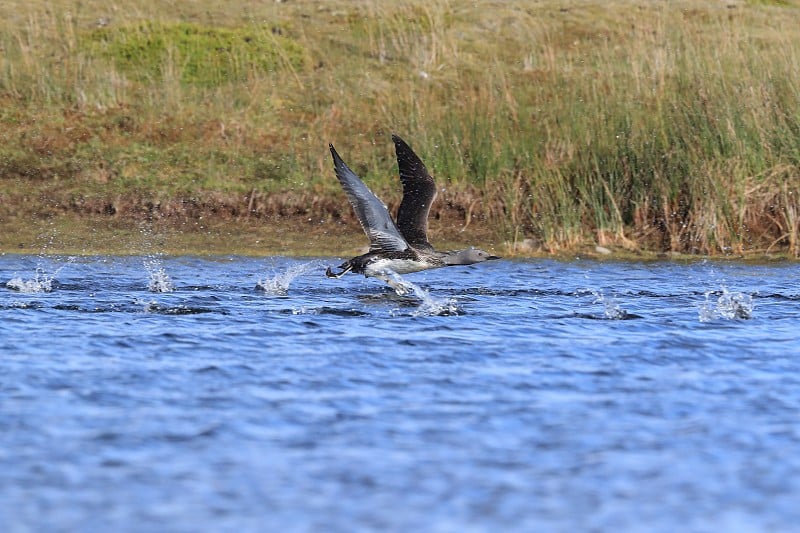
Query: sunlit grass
(641, 125)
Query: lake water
(240, 394)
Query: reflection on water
(514, 396)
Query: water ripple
(524, 396)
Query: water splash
(430, 305)
(395, 281)
(278, 283)
(611, 309)
(158, 279)
(729, 306)
(435, 306)
(42, 281)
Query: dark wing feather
(419, 191)
(371, 212)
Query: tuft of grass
(201, 55)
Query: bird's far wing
(371, 212)
(419, 192)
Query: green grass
(197, 55)
(636, 125)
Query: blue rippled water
(240, 394)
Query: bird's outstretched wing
(419, 192)
(371, 212)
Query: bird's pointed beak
(493, 257)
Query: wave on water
(22, 305)
(611, 309)
(325, 310)
(157, 308)
(729, 306)
(278, 283)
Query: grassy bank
(640, 125)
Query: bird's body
(405, 262)
(401, 247)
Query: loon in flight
(400, 247)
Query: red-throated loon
(402, 247)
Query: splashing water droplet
(732, 305)
(706, 311)
(278, 283)
(159, 280)
(42, 281)
(401, 286)
(729, 305)
(430, 306)
(435, 306)
(611, 309)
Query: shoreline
(293, 236)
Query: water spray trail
(278, 283)
(430, 306)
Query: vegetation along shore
(552, 127)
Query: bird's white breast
(400, 266)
